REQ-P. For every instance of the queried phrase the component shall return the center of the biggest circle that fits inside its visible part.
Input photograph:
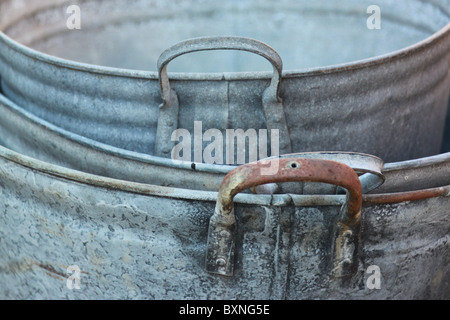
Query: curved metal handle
(169, 109)
(219, 43)
(222, 228)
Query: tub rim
(389, 57)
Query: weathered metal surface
(359, 90)
(134, 240)
(417, 174)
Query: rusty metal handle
(369, 166)
(222, 228)
(169, 109)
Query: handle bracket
(271, 101)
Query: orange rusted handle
(289, 170)
(221, 236)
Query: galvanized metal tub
(32, 136)
(382, 92)
(134, 240)
(139, 241)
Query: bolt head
(221, 262)
(224, 233)
(348, 234)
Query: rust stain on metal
(407, 196)
(51, 271)
(27, 264)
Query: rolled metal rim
(121, 72)
(211, 196)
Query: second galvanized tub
(346, 88)
(26, 133)
(32, 136)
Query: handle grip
(219, 43)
